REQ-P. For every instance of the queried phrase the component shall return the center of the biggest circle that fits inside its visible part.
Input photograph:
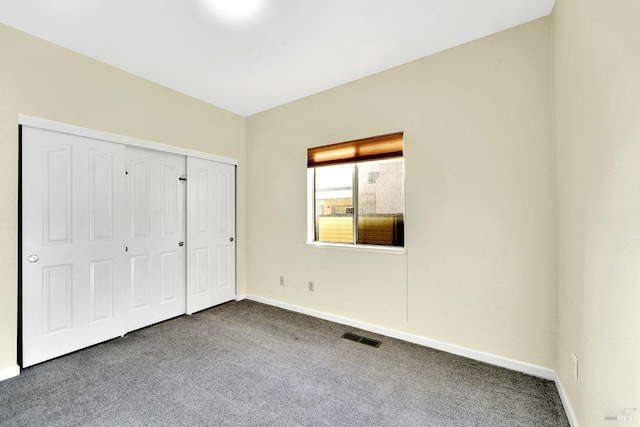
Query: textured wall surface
(597, 135)
(479, 267)
(43, 80)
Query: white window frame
(311, 226)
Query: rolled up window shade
(374, 148)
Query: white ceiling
(287, 50)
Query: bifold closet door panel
(74, 264)
(211, 246)
(156, 189)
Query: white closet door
(156, 236)
(73, 237)
(103, 238)
(210, 234)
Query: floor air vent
(362, 340)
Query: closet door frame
(34, 122)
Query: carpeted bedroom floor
(250, 364)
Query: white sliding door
(73, 243)
(115, 238)
(210, 234)
(156, 236)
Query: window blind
(377, 147)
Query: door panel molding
(210, 234)
(73, 275)
(157, 213)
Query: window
(356, 192)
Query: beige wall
(597, 134)
(479, 269)
(43, 80)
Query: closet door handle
(181, 244)
(231, 239)
(33, 258)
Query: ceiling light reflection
(237, 8)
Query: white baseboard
(573, 421)
(241, 297)
(11, 372)
(492, 359)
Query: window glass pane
(381, 202)
(334, 203)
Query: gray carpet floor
(249, 364)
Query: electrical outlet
(281, 280)
(311, 286)
(574, 365)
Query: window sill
(394, 250)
